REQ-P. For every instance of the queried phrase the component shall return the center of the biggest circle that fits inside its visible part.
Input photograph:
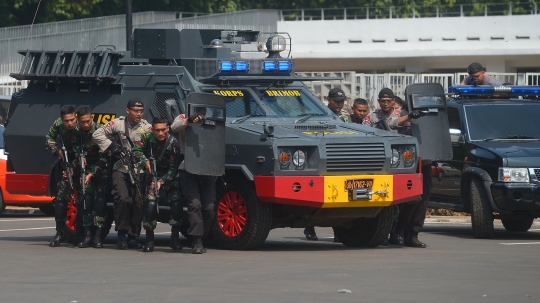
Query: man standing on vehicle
(336, 101)
(198, 190)
(65, 128)
(118, 136)
(477, 76)
(93, 210)
(162, 148)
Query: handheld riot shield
(205, 140)
(431, 130)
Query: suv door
(447, 175)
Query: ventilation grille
(537, 173)
(314, 127)
(205, 67)
(159, 106)
(354, 157)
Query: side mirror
(456, 136)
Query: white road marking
(18, 220)
(463, 223)
(163, 233)
(528, 243)
(34, 228)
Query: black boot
(132, 242)
(98, 243)
(149, 245)
(310, 233)
(414, 242)
(87, 237)
(59, 237)
(175, 238)
(396, 236)
(121, 242)
(197, 246)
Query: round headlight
(394, 161)
(276, 43)
(299, 158)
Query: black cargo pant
(127, 204)
(413, 214)
(200, 193)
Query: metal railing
(411, 11)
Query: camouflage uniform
(95, 164)
(167, 169)
(64, 191)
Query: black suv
(495, 170)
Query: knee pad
(89, 203)
(149, 225)
(150, 211)
(60, 210)
(176, 212)
(100, 206)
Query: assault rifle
(128, 159)
(81, 157)
(154, 176)
(67, 165)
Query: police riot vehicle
(288, 161)
(495, 169)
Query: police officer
(477, 76)
(86, 205)
(387, 117)
(65, 128)
(336, 101)
(159, 146)
(126, 189)
(198, 190)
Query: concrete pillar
(415, 65)
(495, 65)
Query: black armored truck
(288, 160)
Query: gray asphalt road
(454, 268)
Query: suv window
(503, 121)
(454, 120)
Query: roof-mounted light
(241, 66)
(226, 66)
(270, 65)
(284, 66)
(493, 90)
(276, 44)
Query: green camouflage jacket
(167, 165)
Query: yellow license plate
(359, 183)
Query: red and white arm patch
(139, 143)
(110, 124)
(182, 117)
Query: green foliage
(21, 12)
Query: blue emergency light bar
(226, 66)
(493, 90)
(269, 65)
(260, 67)
(241, 66)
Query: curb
(23, 211)
(448, 220)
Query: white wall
(311, 41)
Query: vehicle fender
(475, 172)
(241, 168)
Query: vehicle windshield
(288, 103)
(503, 121)
(240, 103)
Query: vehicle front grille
(537, 173)
(351, 157)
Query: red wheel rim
(72, 211)
(232, 214)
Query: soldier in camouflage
(92, 210)
(65, 128)
(165, 150)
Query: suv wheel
(481, 214)
(517, 225)
(242, 221)
(366, 232)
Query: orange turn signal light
(407, 155)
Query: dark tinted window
(2, 136)
(453, 118)
(497, 121)
(291, 103)
(239, 103)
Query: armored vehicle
(495, 169)
(289, 161)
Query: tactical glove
(415, 114)
(192, 117)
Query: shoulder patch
(397, 112)
(182, 117)
(110, 124)
(380, 113)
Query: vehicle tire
(242, 221)
(518, 225)
(47, 209)
(2, 204)
(108, 223)
(366, 232)
(481, 213)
